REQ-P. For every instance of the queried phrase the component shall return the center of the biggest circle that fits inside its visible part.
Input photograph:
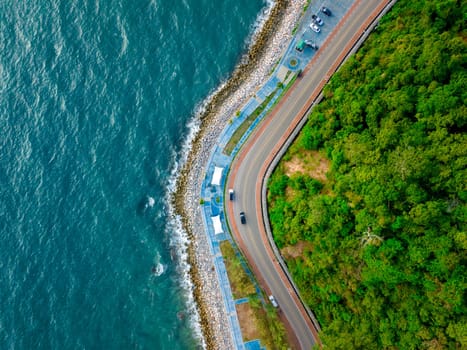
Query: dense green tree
(387, 229)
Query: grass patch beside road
(264, 324)
(257, 321)
(284, 91)
(271, 329)
(239, 281)
(237, 135)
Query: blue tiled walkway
(213, 195)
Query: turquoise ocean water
(95, 103)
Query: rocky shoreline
(268, 44)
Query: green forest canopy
(382, 236)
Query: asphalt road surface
(249, 168)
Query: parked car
(300, 46)
(273, 301)
(311, 44)
(242, 218)
(231, 194)
(317, 19)
(326, 11)
(314, 27)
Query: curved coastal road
(250, 166)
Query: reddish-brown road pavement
(249, 168)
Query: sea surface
(96, 102)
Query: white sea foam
(200, 108)
(158, 267)
(178, 237)
(62, 104)
(178, 240)
(97, 7)
(124, 36)
(259, 22)
(58, 48)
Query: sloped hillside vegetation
(378, 245)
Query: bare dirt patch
(297, 250)
(311, 163)
(245, 317)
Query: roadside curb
(214, 195)
(283, 148)
(292, 131)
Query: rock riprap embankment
(268, 44)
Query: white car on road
(273, 301)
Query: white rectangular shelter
(216, 176)
(216, 222)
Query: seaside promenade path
(247, 172)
